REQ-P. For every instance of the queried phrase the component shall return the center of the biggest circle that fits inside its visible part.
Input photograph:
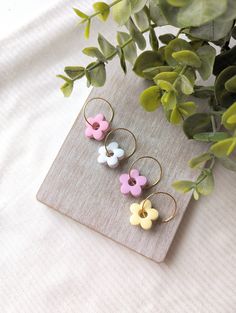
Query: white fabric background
(49, 263)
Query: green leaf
(67, 88)
(74, 71)
(165, 85)
(156, 14)
(167, 76)
(187, 57)
(153, 39)
(166, 38)
(230, 84)
(196, 13)
(146, 60)
(122, 59)
(94, 53)
(175, 46)
(183, 185)
(223, 96)
(178, 3)
(130, 51)
(211, 136)
(175, 116)
(169, 101)
(228, 163)
(227, 120)
(137, 5)
(97, 75)
(230, 13)
(207, 56)
(103, 8)
(107, 48)
(224, 147)
(187, 108)
(80, 13)
(206, 186)
(212, 31)
(136, 34)
(197, 123)
(150, 98)
(151, 72)
(121, 12)
(224, 59)
(87, 29)
(141, 19)
(64, 78)
(203, 91)
(186, 86)
(200, 159)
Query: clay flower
(98, 128)
(115, 155)
(143, 217)
(132, 183)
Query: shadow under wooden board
(77, 186)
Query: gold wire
(174, 211)
(154, 159)
(125, 129)
(97, 98)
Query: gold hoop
(154, 159)
(125, 129)
(174, 211)
(97, 98)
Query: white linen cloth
(49, 263)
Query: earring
(111, 153)
(143, 214)
(98, 126)
(133, 183)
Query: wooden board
(88, 192)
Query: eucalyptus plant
(173, 64)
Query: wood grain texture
(88, 192)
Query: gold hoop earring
(111, 154)
(143, 214)
(98, 126)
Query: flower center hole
(96, 126)
(142, 214)
(109, 153)
(132, 182)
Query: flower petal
(136, 190)
(104, 125)
(134, 173)
(102, 150)
(112, 146)
(152, 214)
(125, 188)
(119, 153)
(147, 204)
(112, 161)
(98, 134)
(134, 219)
(141, 180)
(145, 223)
(135, 208)
(102, 159)
(99, 117)
(124, 178)
(89, 132)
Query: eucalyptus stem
(99, 12)
(115, 52)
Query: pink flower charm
(98, 128)
(132, 183)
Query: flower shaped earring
(111, 154)
(133, 183)
(98, 126)
(144, 214)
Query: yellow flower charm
(143, 215)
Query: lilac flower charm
(98, 128)
(132, 183)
